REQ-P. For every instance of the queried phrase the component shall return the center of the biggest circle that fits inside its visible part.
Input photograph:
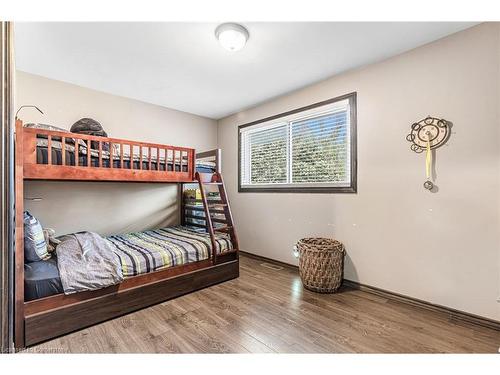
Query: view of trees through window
(319, 149)
(268, 155)
(314, 150)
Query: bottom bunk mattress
(138, 253)
(154, 250)
(41, 279)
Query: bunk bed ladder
(217, 179)
(208, 218)
(228, 226)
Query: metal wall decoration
(426, 135)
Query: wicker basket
(321, 264)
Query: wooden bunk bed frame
(49, 317)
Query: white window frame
(345, 102)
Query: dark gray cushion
(90, 127)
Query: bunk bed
(206, 237)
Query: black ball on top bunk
(90, 127)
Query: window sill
(317, 190)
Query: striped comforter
(152, 250)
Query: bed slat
(77, 152)
(89, 153)
(49, 150)
(140, 157)
(63, 150)
(100, 154)
(121, 155)
(111, 154)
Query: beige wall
(107, 207)
(442, 247)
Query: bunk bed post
(192, 165)
(19, 240)
(208, 218)
(218, 160)
(183, 217)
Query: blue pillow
(35, 247)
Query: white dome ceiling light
(232, 36)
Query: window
(311, 149)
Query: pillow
(35, 247)
(70, 141)
(46, 127)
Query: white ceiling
(182, 66)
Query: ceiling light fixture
(232, 36)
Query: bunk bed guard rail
(55, 155)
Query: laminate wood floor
(268, 310)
